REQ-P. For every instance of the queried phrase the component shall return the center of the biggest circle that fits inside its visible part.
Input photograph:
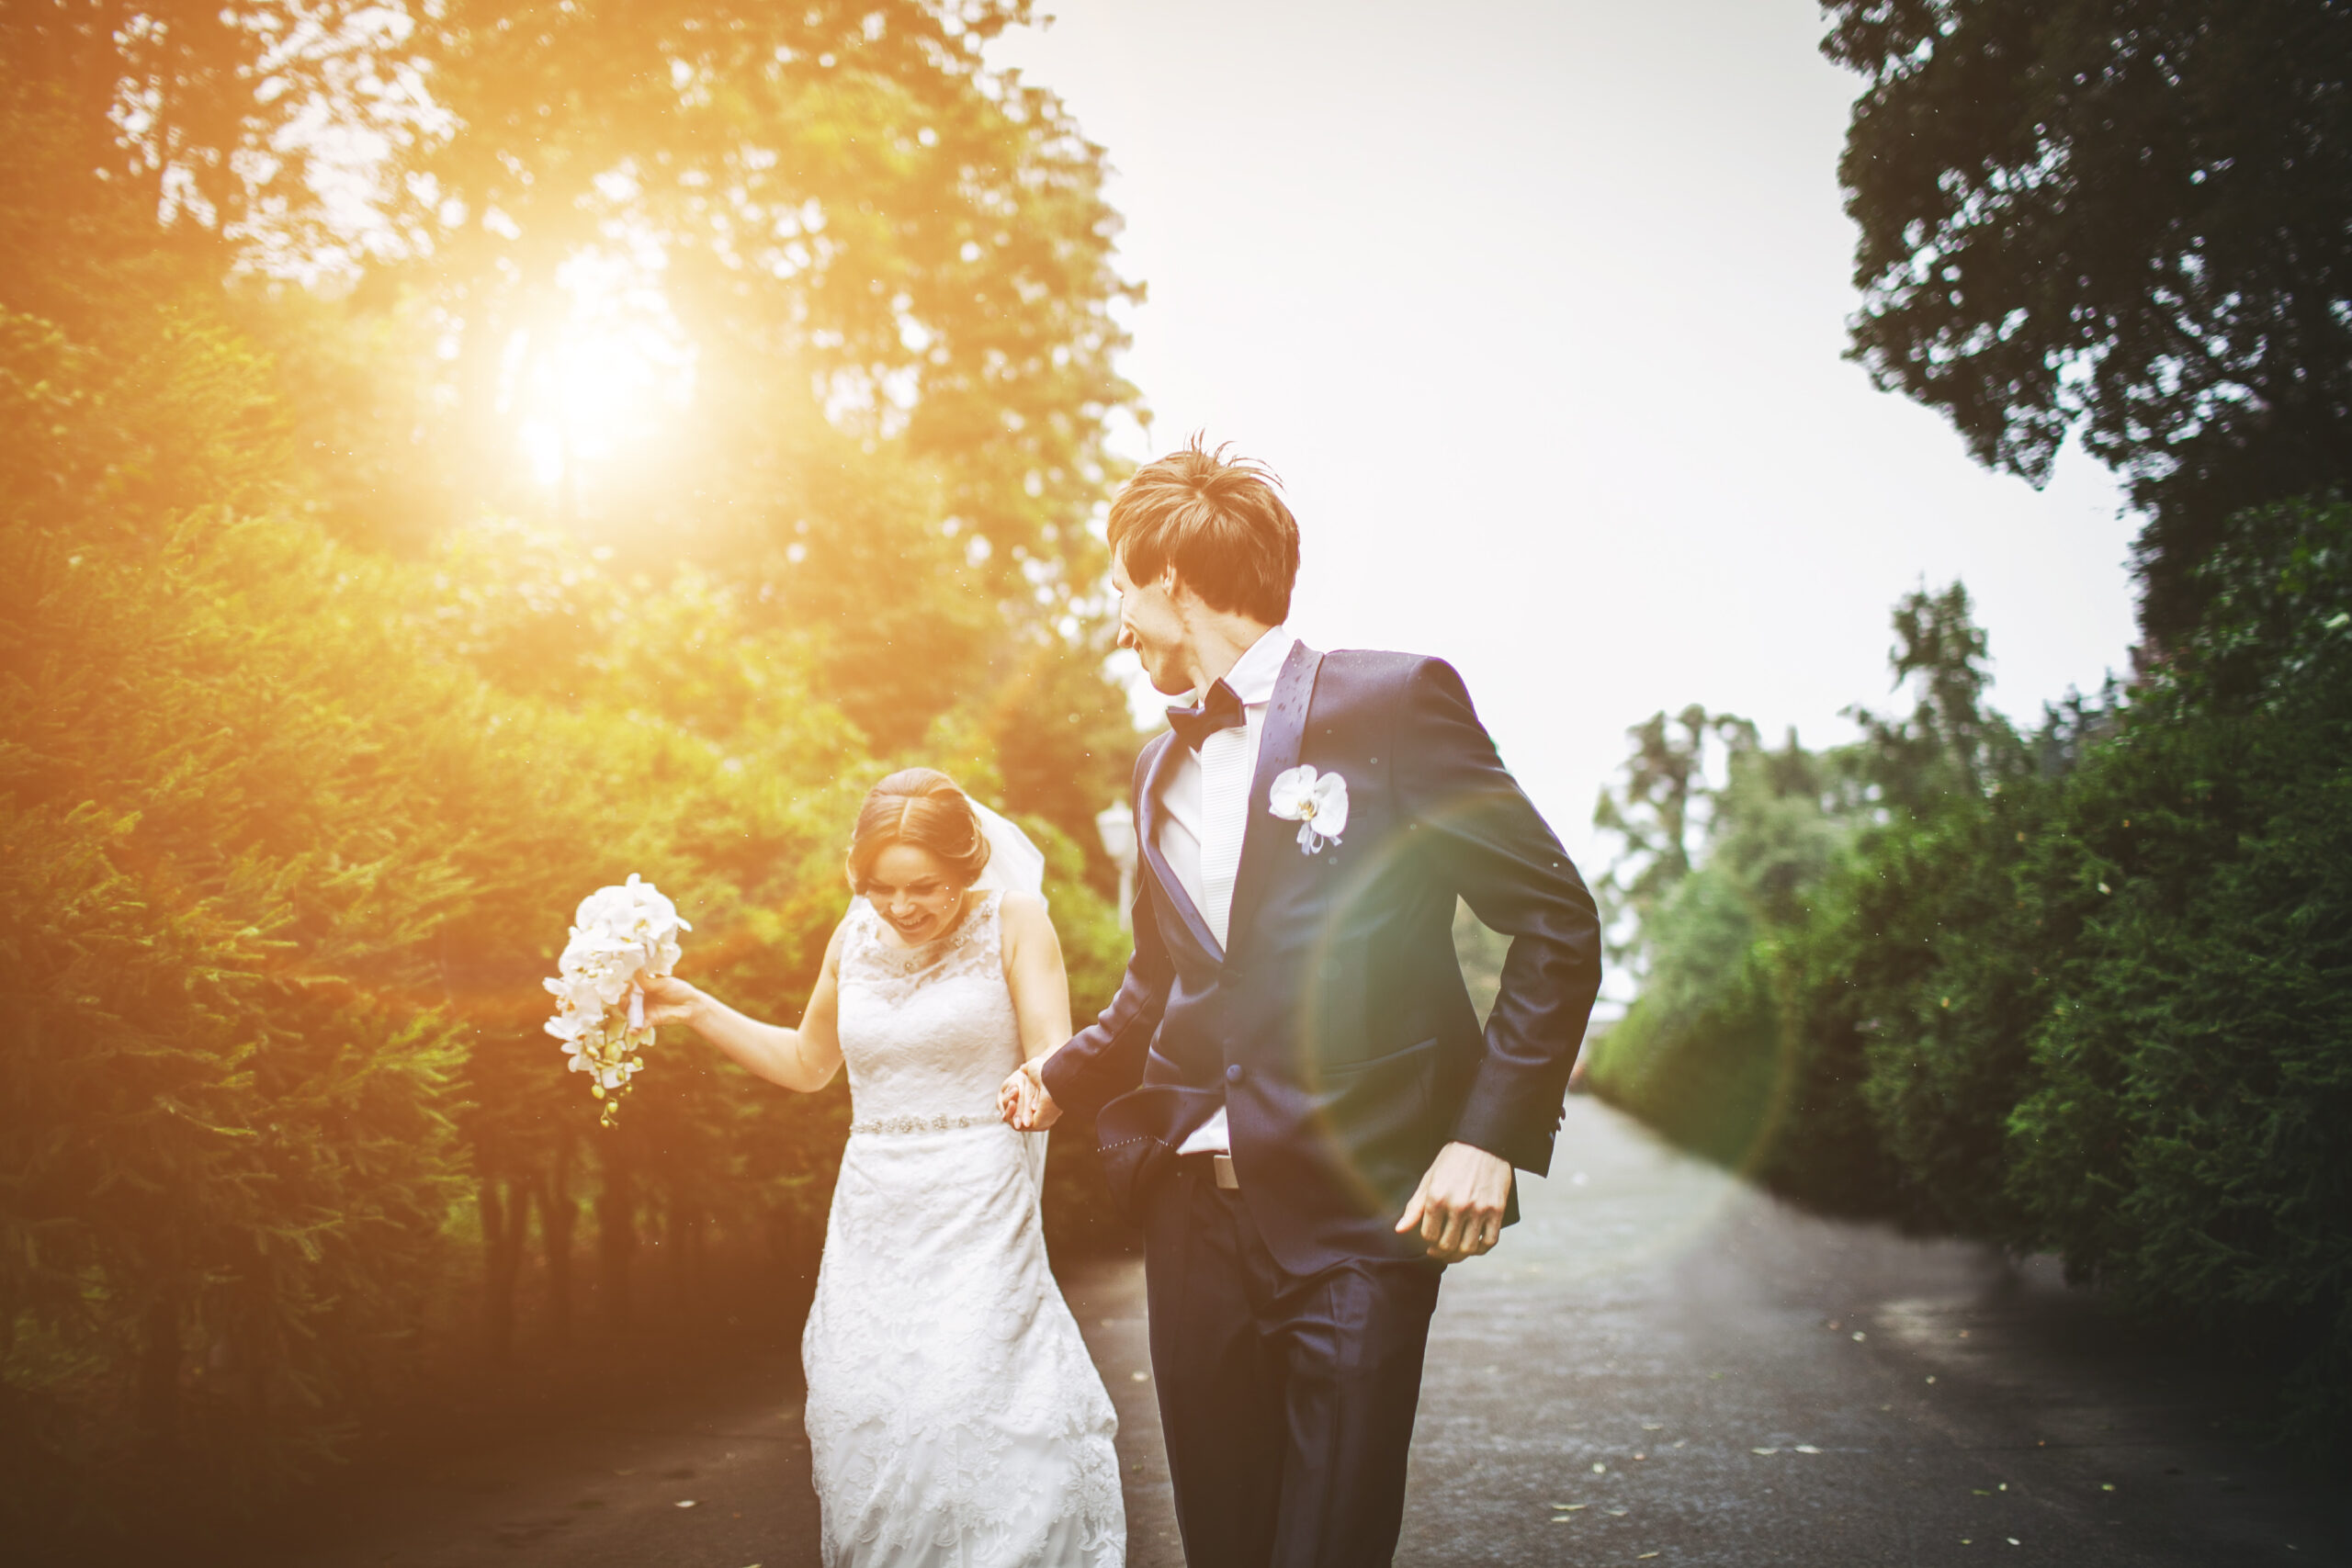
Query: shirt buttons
(1233, 1073)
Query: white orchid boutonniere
(1316, 802)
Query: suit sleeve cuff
(1499, 1118)
(1064, 1079)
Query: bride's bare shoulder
(1023, 911)
(1022, 918)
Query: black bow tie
(1221, 709)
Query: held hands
(1022, 1100)
(1459, 1206)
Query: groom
(1290, 1090)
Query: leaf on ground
(1807, 1449)
(1763, 1450)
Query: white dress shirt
(1204, 813)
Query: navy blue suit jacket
(1337, 1031)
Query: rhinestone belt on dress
(922, 1123)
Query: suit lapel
(1278, 748)
(1147, 831)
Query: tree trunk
(159, 1377)
(559, 1217)
(616, 1235)
(505, 1215)
(698, 1262)
(682, 1285)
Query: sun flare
(607, 371)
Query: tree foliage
(316, 730)
(1655, 810)
(2081, 990)
(2182, 1134)
(2129, 216)
(844, 189)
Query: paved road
(1659, 1365)
(1704, 1374)
(709, 1479)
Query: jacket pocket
(1379, 1113)
(1332, 1070)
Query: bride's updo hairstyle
(920, 806)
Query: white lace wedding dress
(953, 1419)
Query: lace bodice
(927, 1032)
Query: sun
(603, 372)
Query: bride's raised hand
(668, 999)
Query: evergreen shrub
(2087, 990)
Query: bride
(954, 1417)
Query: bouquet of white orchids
(618, 935)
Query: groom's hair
(920, 806)
(1219, 522)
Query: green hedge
(2086, 990)
(2186, 1134)
(290, 832)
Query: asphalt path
(1658, 1365)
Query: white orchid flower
(619, 935)
(1316, 802)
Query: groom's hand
(1022, 1100)
(1459, 1206)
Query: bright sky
(1537, 307)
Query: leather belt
(1220, 1171)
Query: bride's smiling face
(914, 893)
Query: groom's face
(1154, 621)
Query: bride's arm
(804, 1059)
(1032, 968)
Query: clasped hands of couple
(1458, 1208)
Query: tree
(2129, 216)
(846, 191)
(2181, 1137)
(1951, 743)
(1707, 1053)
(187, 106)
(291, 820)
(1661, 804)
